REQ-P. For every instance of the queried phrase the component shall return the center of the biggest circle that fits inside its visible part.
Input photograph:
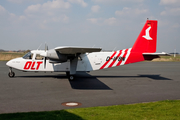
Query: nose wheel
(11, 74)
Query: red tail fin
(146, 41)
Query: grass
(5, 56)
(163, 110)
(168, 58)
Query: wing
(75, 50)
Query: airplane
(72, 59)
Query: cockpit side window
(29, 55)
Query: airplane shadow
(82, 81)
(85, 81)
(154, 77)
(88, 82)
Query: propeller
(46, 49)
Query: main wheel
(11, 74)
(71, 77)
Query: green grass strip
(163, 110)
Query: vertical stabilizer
(147, 39)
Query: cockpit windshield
(28, 55)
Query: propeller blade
(46, 49)
(44, 62)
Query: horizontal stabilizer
(151, 56)
(160, 54)
(75, 50)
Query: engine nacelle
(55, 56)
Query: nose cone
(9, 63)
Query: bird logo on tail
(147, 36)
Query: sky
(109, 24)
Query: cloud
(8, 18)
(2, 9)
(172, 7)
(110, 21)
(15, 1)
(47, 14)
(22, 1)
(33, 8)
(5, 14)
(131, 12)
(62, 18)
(22, 17)
(48, 6)
(176, 25)
(171, 11)
(95, 8)
(101, 21)
(81, 2)
(170, 2)
(56, 4)
(93, 20)
(43, 23)
(116, 1)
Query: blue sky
(110, 24)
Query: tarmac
(133, 83)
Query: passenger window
(38, 57)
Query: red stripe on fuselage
(115, 59)
(108, 60)
(122, 57)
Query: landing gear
(11, 74)
(70, 77)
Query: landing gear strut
(11, 73)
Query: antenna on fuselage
(114, 49)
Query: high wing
(76, 50)
(65, 52)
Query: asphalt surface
(133, 83)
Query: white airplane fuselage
(86, 62)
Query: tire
(71, 77)
(11, 74)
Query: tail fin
(146, 41)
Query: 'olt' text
(31, 65)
